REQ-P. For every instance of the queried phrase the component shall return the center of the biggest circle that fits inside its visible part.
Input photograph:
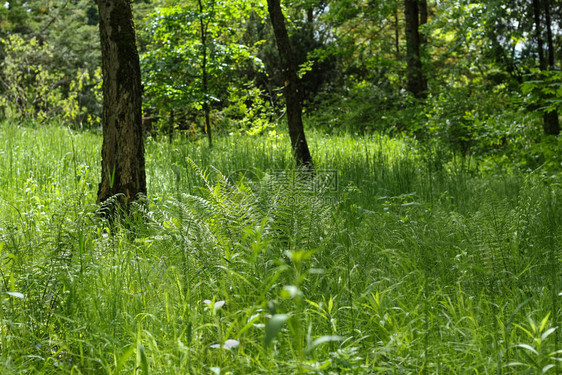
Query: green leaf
(517, 364)
(290, 291)
(141, 359)
(273, 326)
(547, 333)
(123, 360)
(141, 355)
(16, 294)
(322, 340)
(543, 322)
(528, 347)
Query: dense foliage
(492, 69)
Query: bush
(33, 87)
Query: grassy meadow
(387, 261)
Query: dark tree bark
(204, 27)
(123, 169)
(551, 123)
(538, 33)
(310, 15)
(549, 39)
(417, 84)
(310, 22)
(397, 34)
(291, 91)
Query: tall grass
(232, 266)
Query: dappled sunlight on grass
(382, 262)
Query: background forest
(429, 239)
(489, 71)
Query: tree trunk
(551, 123)
(414, 74)
(204, 73)
(396, 34)
(123, 169)
(291, 91)
(171, 123)
(538, 34)
(549, 39)
(310, 22)
(310, 16)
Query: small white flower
(215, 306)
(228, 344)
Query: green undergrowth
(383, 261)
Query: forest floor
(385, 261)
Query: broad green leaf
(322, 340)
(547, 333)
(273, 326)
(16, 294)
(123, 360)
(141, 359)
(290, 291)
(528, 347)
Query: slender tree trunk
(416, 81)
(549, 39)
(291, 91)
(397, 34)
(171, 122)
(310, 22)
(310, 16)
(551, 123)
(538, 34)
(551, 120)
(204, 73)
(123, 167)
(206, 106)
